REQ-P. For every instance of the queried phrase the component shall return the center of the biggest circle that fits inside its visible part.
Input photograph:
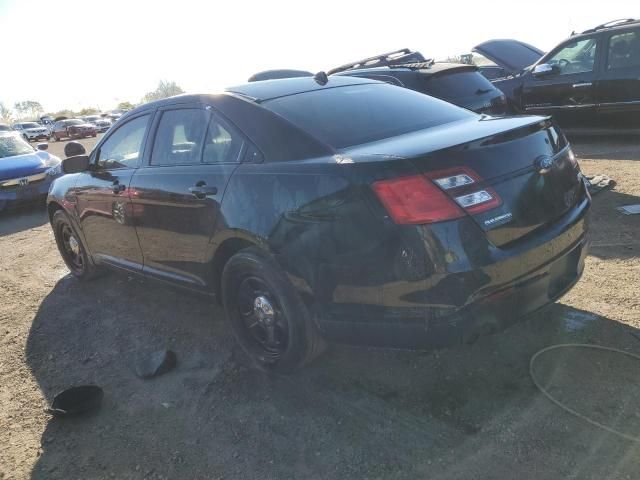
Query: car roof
(619, 24)
(270, 89)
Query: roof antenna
(321, 78)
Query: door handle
(117, 187)
(582, 84)
(201, 190)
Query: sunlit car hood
(24, 165)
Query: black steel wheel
(264, 322)
(266, 313)
(71, 248)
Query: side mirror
(75, 164)
(543, 70)
(42, 146)
(73, 149)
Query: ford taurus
(331, 208)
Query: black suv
(460, 84)
(591, 79)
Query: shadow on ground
(470, 412)
(614, 234)
(596, 147)
(23, 218)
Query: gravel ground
(467, 413)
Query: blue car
(25, 172)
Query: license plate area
(26, 192)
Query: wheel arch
(227, 249)
(52, 208)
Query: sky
(84, 53)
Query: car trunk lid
(512, 55)
(512, 181)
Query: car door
(619, 87)
(104, 197)
(568, 90)
(178, 193)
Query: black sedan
(342, 209)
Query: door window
(575, 57)
(222, 143)
(179, 137)
(624, 50)
(123, 148)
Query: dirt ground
(467, 413)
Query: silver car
(31, 130)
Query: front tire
(71, 248)
(266, 313)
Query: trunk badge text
(23, 182)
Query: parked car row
(62, 127)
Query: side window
(575, 57)
(222, 143)
(252, 154)
(624, 50)
(179, 137)
(123, 148)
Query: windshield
(12, 145)
(357, 114)
(30, 125)
(74, 122)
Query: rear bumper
(476, 296)
(39, 136)
(82, 134)
(487, 315)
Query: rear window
(347, 116)
(458, 85)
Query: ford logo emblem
(543, 163)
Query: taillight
(415, 200)
(422, 198)
(462, 183)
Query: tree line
(31, 109)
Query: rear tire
(71, 248)
(281, 341)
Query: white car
(32, 130)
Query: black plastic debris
(155, 363)
(76, 400)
